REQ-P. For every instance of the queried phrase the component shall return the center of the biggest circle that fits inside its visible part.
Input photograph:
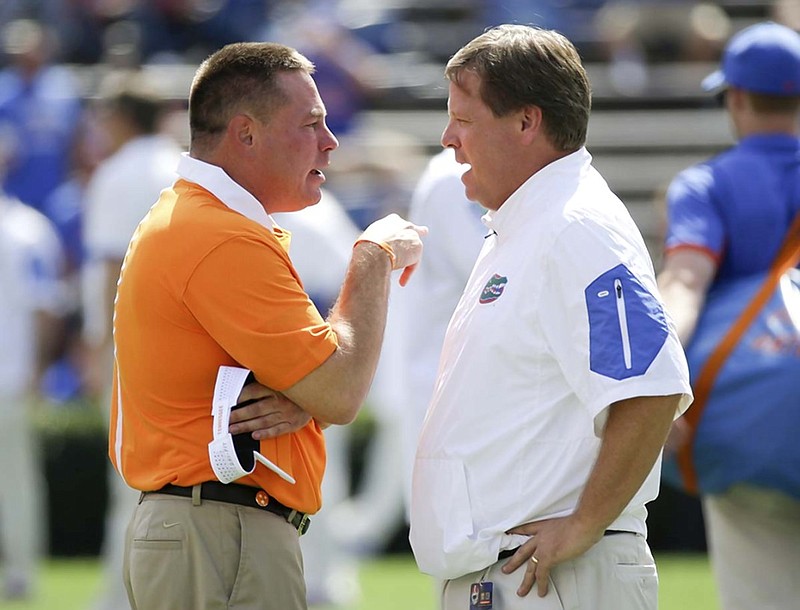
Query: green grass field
(388, 583)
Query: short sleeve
(42, 261)
(692, 218)
(604, 322)
(43, 275)
(122, 190)
(108, 225)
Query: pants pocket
(157, 545)
(158, 571)
(637, 585)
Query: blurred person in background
(167, 31)
(727, 218)
(65, 205)
(359, 516)
(80, 25)
(418, 318)
(31, 309)
(175, 31)
(635, 36)
(786, 12)
(64, 380)
(40, 111)
(560, 373)
(345, 67)
(141, 162)
(425, 307)
(322, 239)
(550, 14)
(344, 63)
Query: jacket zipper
(623, 324)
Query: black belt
(508, 553)
(243, 495)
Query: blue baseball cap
(763, 58)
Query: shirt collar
(775, 141)
(214, 179)
(554, 181)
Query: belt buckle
(305, 522)
(300, 524)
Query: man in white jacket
(560, 373)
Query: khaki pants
(618, 573)
(754, 546)
(211, 555)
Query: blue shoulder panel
(627, 325)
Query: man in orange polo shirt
(207, 282)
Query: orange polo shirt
(202, 286)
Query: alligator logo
(493, 289)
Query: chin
(295, 205)
(470, 194)
(315, 199)
(308, 202)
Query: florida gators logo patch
(493, 289)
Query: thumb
(407, 273)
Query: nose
(448, 139)
(328, 141)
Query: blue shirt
(739, 205)
(38, 120)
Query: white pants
(754, 545)
(618, 573)
(22, 522)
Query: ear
(736, 98)
(530, 123)
(241, 130)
